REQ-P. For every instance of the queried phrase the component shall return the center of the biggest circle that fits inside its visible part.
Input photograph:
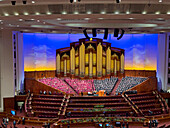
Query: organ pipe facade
(89, 58)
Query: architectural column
(7, 86)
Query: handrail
(26, 100)
(134, 105)
(163, 101)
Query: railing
(163, 102)
(136, 108)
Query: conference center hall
(84, 63)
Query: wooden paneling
(9, 103)
(39, 74)
(165, 95)
(146, 86)
(20, 98)
(135, 73)
(34, 86)
(140, 73)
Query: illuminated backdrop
(40, 49)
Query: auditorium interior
(84, 63)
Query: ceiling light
(48, 13)
(157, 12)
(76, 12)
(37, 13)
(131, 18)
(144, 12)
(20, 19)
(86, 18)
(127, 12)
(168, 12)
(25, 13)
(13, 2)
(32, 19)
(103, 12)
(100, 18)
(64, 12)
(89, 12)
(6, 14)
(160, 0)
(58, 18)
(33, 2)
(16, 14)
(116, 12)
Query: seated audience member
(44, 92)
(14, 123)
(23, 120)
(20, 108)
(50, 93)
(127, 125)
(48, 125)
(40, 92)
(7, 120)
(3, 120)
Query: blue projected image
(40, 49)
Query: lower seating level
(53, 106)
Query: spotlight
(71, 1)
(85, 33)
(118, 1)
(13, 2)
(116, 32)
(24, 2)
(94, 32)
(106, 33)
(123, 31)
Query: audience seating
(106, 84)
(147, 103)
(129, 82)
(46, 106)
(80, 85)
(88, 106)
(57, 83)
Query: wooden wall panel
(140, 73)
(135, 73)
(34, 86)
(9, 103)
(39, 74)
(146, 86)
